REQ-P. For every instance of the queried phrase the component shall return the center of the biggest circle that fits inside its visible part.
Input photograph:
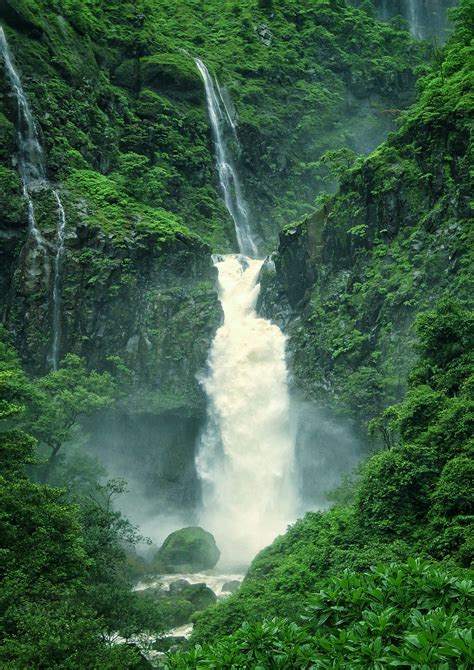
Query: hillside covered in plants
(374, 292)
(236, 270)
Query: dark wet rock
(178, 586)
(231, 587)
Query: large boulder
(188, 550)
(199, 595)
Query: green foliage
(391, 243)
(44, 561)
(66, 591)
(338, 163)
(118, 97)
(413, 499)
(446, 343)
(115, 213)
(11, 202)
(62, 397)
(400, 615)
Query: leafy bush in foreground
(413, 615)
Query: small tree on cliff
(62, 397)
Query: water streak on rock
(32, 170)
(219, 117)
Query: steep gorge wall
(348, 282)
(426, 18)
(121, 114)
(136, 282)
(120, 111)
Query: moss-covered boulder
(199, 595)
(174, 74)
(188, 550)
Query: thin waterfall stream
(228, 176)
(413, 19)
(61, 233)
(245, 457)
(32, 170)
(30, 152)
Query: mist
(327, 448)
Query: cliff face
(426, 18)
(141, 302)
(120, 112)
(349, 280)
(137, 284)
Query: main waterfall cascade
(32, 170)
(245, 458)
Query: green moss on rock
(188, 549)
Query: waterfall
(384, 10)
(57, 281)
(426, 18)
(32, 170)
(220, 117)
(245, 456)
(30, 153)
(230, 120)
(413, 18)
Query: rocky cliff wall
(120, 112)
(348, 282)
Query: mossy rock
(199, 595)
(174, 74)
(7, 138)
(188, 550)
(20, 14)
(12, 203)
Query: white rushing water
(246, 452)
(32, 170)
(219, 117)
(245, 457)
(213, 580)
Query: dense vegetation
(63, 562)
(351, 278)
(382, 248)
(383, 578)
(410, 615)
(121, 106)
(412, 499)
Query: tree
(54, 556)
(62, 397)
(337, 163)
